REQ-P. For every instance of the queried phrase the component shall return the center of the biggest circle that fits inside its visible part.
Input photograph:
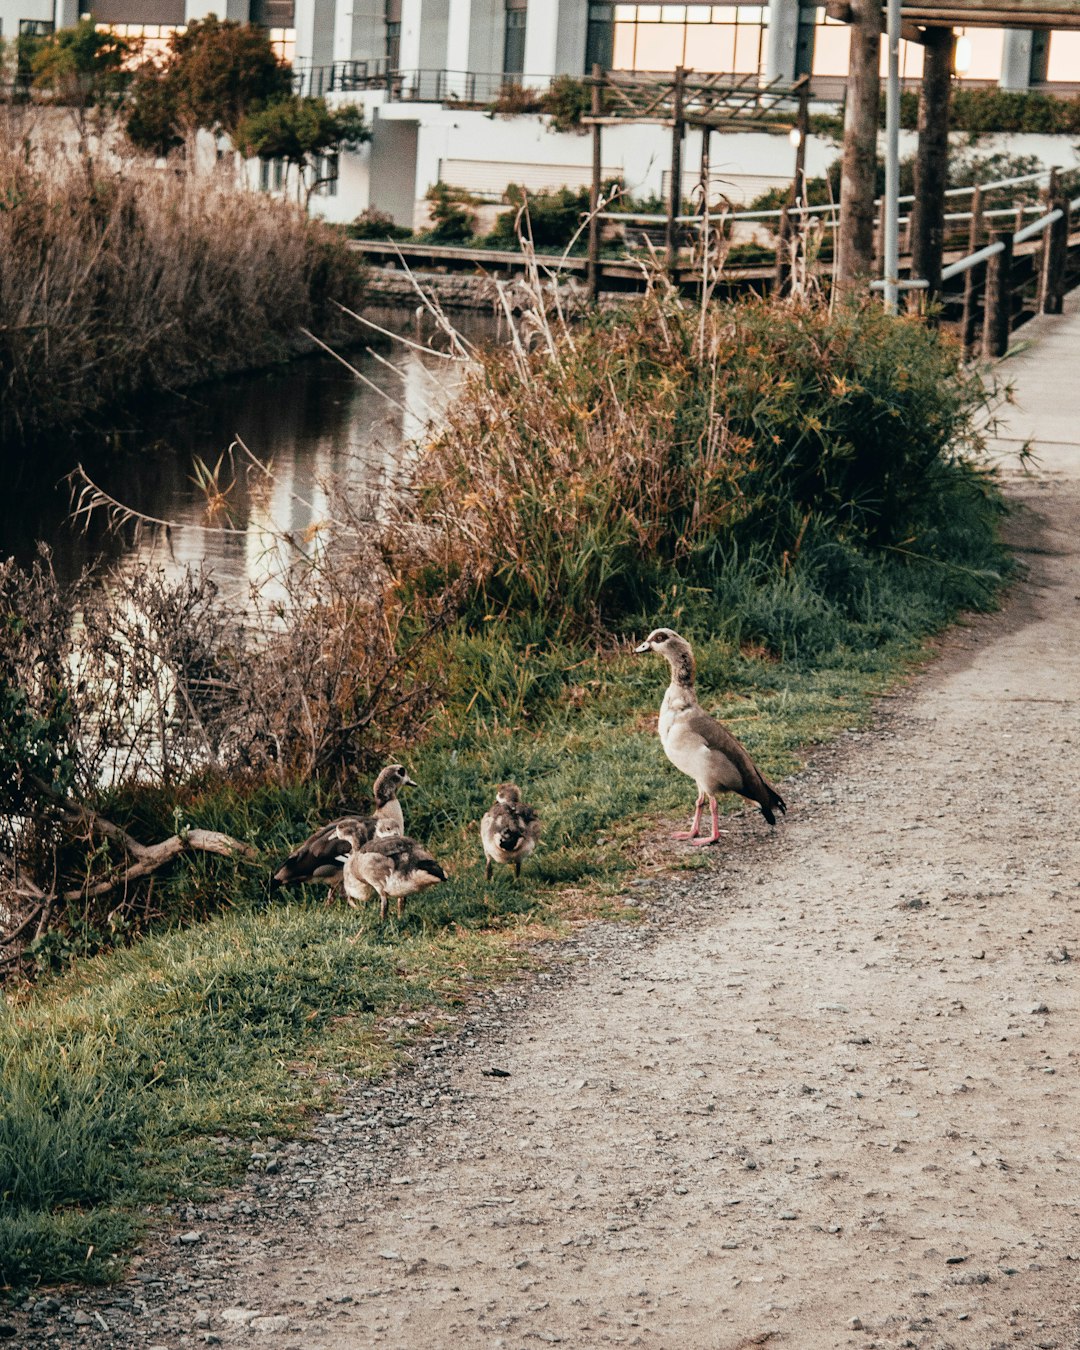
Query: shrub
(149, 280)
(566, 101)
(554, 217)
(453, 221)
(573, 482)
(373, 224)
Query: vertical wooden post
(855, 236)
(998, 305)
(1055, 254)
(932, 159)
(594, 190)
(975, 240)
(879, 238)
(675, 195)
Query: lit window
(983, 49)
(723, 39)
(1064, 61)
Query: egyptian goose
(509, 830)
(390, 864)
(318, 858)
(698, 745)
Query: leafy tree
(215, 73)
(297, 130)
(82, 65)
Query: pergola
(687, 98)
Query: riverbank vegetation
(116, 283)
(798, 489)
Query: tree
(82, 65)
(299, 129)
(216, 71)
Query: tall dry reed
(117, 280)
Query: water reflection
(313, 421)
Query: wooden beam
(932, 159)
(1040, 15)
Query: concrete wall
(393, 168)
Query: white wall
(640, 153)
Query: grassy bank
(790, 489)
(116, 283)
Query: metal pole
(892, 162)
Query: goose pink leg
(691, 833)
(714, 837)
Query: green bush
(986, 110)
(453, 222)
(373, 224)
(624, 461)
(553, 217)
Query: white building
(422, 67)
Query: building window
(514, 41)
(271, 175)
(979, 52)
(393, 46)
(1063, 62)
(283, 44)
(598, 41)
(326, 175)
(33, 28)
(728, 39)
(150, 39)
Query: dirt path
(824, 1096)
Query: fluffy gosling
(319, 857)
(390, 865)
(509, 830)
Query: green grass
(124, 1073)
(807, 537)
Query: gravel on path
(823, 1095)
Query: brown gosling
(509, 830)
(700, 746)
(391, 864)
(319, 857)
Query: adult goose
(318, 858)
(390, 865)
(700, 746)
(509, 830)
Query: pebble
(189, 1239)
(240, 1317)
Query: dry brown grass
(121, 279)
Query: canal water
(317, 425)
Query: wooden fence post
(975, 240)
(594, 191)
(855, 235)
(1055, 254)
(931, 159)
(997, 320)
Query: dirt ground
(824, 1095)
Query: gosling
(509, 830)
(700, 746)
(390, 865)
(318, 858)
